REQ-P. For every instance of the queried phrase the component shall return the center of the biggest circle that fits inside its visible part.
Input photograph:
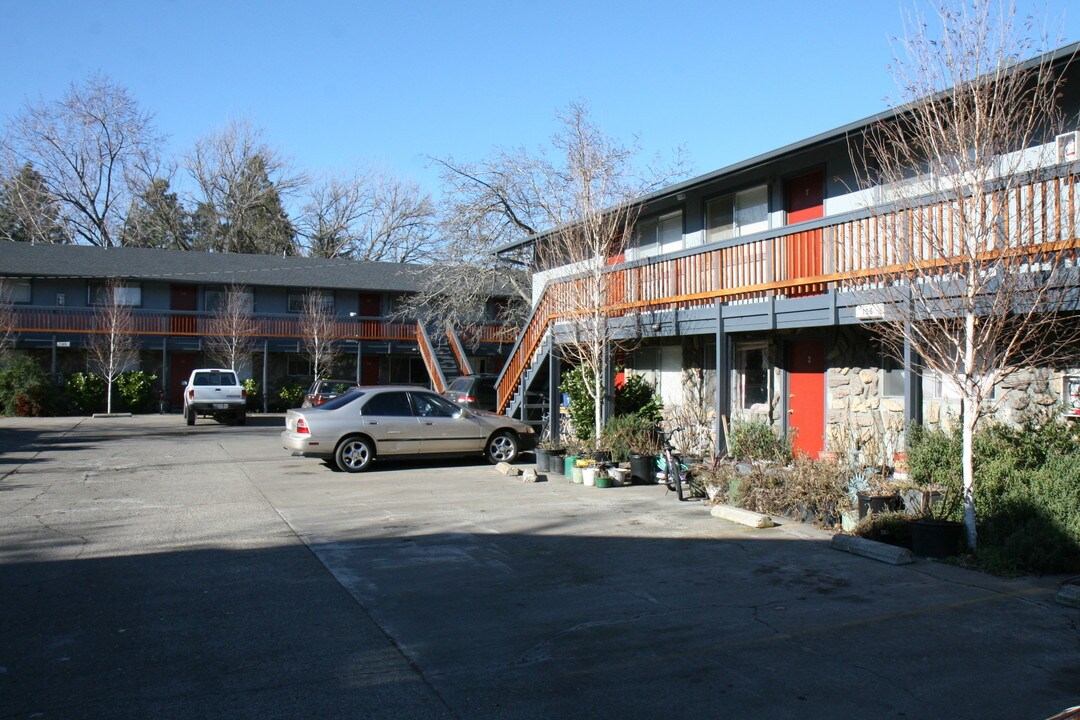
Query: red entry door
(183, 300)
(369, 370)
(806, 399)
(180, 366)
(805, 200)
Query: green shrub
(252, 390)
(136, 390)
(86, 392)
(635, 397)
(627, 434)
(934, 457)
(1027, 491)
(25, 389)
(638, 397)
(292, 396)
(755, 440)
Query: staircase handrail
(427, 352)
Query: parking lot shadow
(535, 624)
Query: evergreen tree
(157, 219)
(259, 224)
(28, 211)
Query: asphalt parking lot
(152, 570)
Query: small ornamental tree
(317, 326)
(230, 340)
(112, 347)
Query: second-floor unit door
(805, 200)
(183, 301)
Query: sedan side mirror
(183, 383)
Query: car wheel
(502, 447)
(354, 454)
(190, 413)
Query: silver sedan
(371, 422)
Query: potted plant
(874, 493)
(549, 456)
(934, 533)
(577, 472)
(603, 478)
(573, 452)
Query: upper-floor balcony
(837, 253)
(30, 319)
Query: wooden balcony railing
(1040, 216)
(28, 319)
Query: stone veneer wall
(858, 416)
(1023, 393)
(860, 424)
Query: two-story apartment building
(56, 291)
(744, 291)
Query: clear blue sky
(335, 84)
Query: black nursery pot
(641, 469)
(936, 538)
(542, 460)
(870, 503)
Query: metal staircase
(531, 401)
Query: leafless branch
(317, 326)
(85, 146)
(231, 337)
(112, 347)
(971, 281)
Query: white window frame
(716, 234)
(18, 292)
(128, 294)
(740, 354)
(648, 240)
(294, 300)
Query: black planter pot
(542, 460)
(871, 503)
(555, 462)
(642, 469)
(601, 456)
(936, 538)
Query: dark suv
(323, 390)
(476, 392)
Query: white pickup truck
(216, 392)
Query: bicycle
(671, 459)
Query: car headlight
(530, 430)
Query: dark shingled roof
(19, 259)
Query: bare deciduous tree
(230, 339)
(368, 216)
(317, 327)
(86, 147)
(243, 182)
(576, 198)
(973, 279)
(112, 347)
